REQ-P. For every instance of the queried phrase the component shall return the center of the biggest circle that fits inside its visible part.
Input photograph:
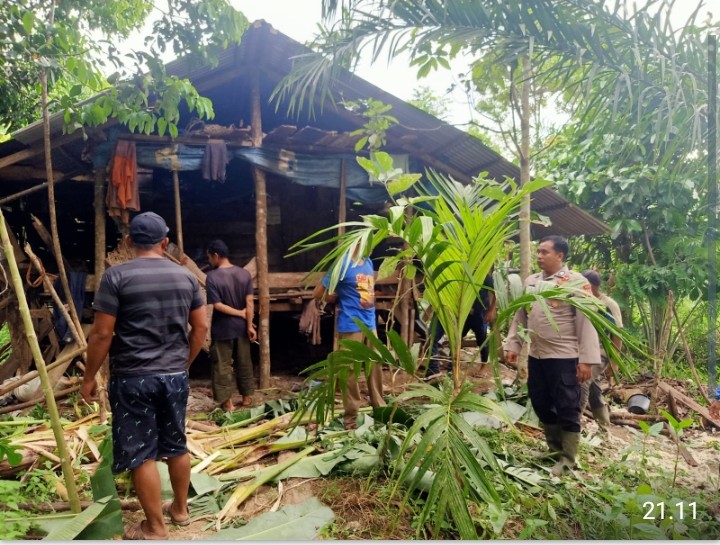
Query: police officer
(591, 389)
(562, 353)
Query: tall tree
(631, 81)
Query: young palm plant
(453, 234)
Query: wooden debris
(688, 402)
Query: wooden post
(404, 288)
(342, 217)
(178, 213)
(103, 375)
(261, 239)
(100, 241)
(65, 461)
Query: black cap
(148, 228)
(593, 277)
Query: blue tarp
(304, 169)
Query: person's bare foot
(228, 406)
(247, 401)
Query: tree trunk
(261, 240)
(51, 201)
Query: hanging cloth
(214, 160)
(122, 193)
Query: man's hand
(87, 390)
(490, 316)
(584, 371)
(715, 409)
(251, 333)
(511, 357)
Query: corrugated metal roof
(418, 133)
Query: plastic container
(638, 403)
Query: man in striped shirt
(142, 311)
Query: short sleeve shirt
(151, 299)
(231, 286)
(356, 286)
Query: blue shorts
(148, 418)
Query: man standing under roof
(230, 292)
(147, 304)
(355, 299)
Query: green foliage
(426, 100)
(373, 133)
(13, 520)
(62, 38)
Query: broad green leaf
(370, 167)
(384, 160)
(201, 483)
(301, 522)
(402, 183)
(74, 526)
(28, 21)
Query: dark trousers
(555, 391)
(231, 366)
(475, 322)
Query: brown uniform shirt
(572, 335)
(614, 309)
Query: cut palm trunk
(245, 490)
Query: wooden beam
(689, 403)
(24, 192)
(16, 173)
(261, 238)
(190, 140)
(32, 152)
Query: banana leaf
(75, 526)
(301, 522)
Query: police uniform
(591, 391)
(555, 350)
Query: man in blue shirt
(355, 298)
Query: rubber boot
(553, 437)
(570, 445)
(602, 417)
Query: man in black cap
(147, 304)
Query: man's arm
(588, 346)
(513, 342)
(99, 341)
(320, 293)
(491, 312)
(227, 309)
(250, 315)
(198, 331)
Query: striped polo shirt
(151, 299)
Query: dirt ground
(354, 506)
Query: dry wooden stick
(25, 405)
(33, 374)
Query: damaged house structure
(253, 176)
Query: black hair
(593, 277)
(560, 244)
(218, 247)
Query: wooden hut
(286, 176)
